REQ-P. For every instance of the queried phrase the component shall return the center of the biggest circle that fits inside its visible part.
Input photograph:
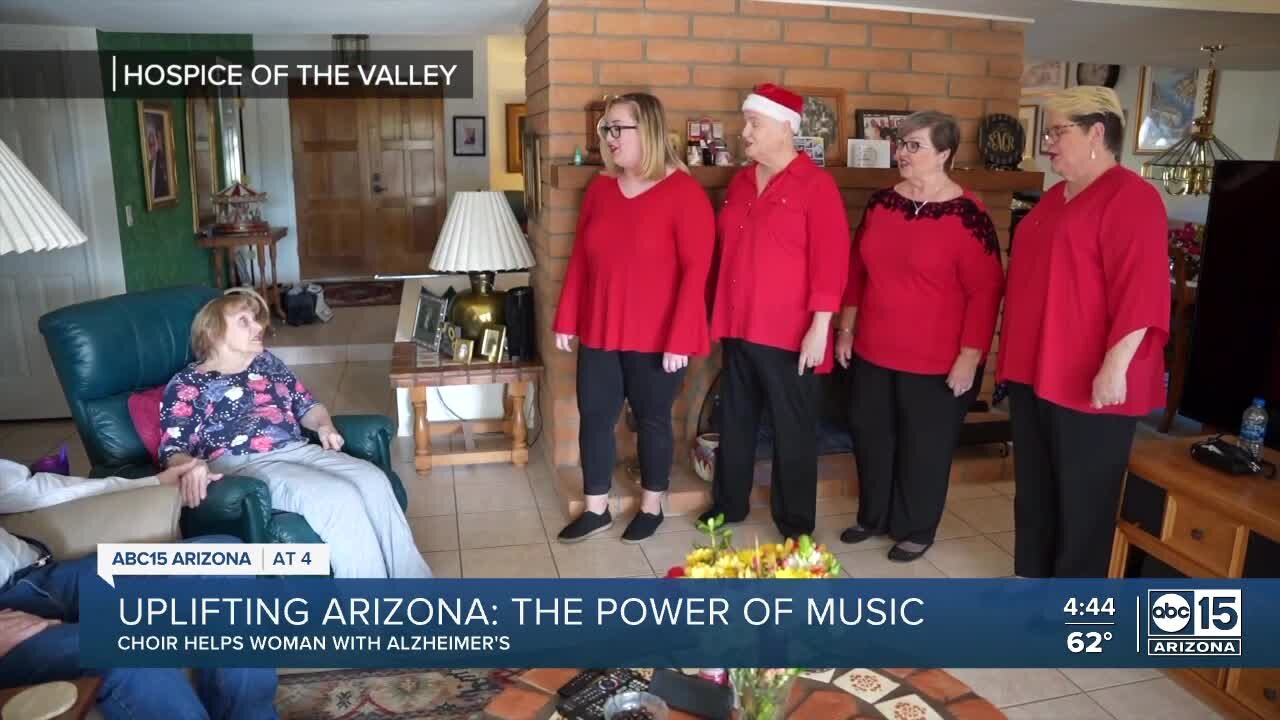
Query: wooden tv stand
(1181, 517)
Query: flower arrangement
(793, 559)
(1189, 239)
(762, 693)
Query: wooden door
(369, 183)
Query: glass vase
(761, 694)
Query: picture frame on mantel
(824, 117)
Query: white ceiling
(1137, 32)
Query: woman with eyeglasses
(924, 288)
(1081, 349)
(635, 298)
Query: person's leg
(393, 538)
(929, 419)
(1093, 455)
(238, 693)
(793, 406)
(1035, 503)
(874, 425)
(52, 591)
(651, 391)
(600, 396)
(324, 500)
(740, 405)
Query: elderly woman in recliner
(238, 410)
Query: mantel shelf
(576, 177)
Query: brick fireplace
(701, 57)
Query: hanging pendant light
(1187, 167)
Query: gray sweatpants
(346, 500)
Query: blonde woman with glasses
(634, 298)
(1082, 348)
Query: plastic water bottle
(1253, 428)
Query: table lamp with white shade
(30, 219)
(480, 237)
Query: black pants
(905, 431)
(1068, 468)
(605, 379)
(756, 377)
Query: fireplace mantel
(576, 177)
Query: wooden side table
(86, 697)
(419, 370)
(264, 244)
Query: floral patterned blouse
(206, 414)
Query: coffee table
(86, 696)
(895, 692)
(419, 370)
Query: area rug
(389, 694)
(351, 293)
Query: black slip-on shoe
(898, 554)
(641, 527)
(587, 525)
(856, 534)
(714, 511)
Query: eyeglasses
(1051, 134)
(914, 146)
(614, 131)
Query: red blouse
(637, 277)
(925, 284)
(783, 254)
(1082, 275)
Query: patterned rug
(362, 292)
(389, 694)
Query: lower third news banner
(319, 622)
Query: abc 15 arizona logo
(1194, 622)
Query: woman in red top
(784, 245)
(1085, 325)
(635, 297)
(924, 287)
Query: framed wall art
(823, 117)
(516, 113)
(1167, 108)
(532, 174)
(1039, 77)
(468, 135)
(429, 321)
(159, 159)
(880, 125)
(1029, 117)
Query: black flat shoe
(641, 527)
(898, 554)
(713, 512)
(587, 525)
(856, 534)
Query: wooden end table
(419, 370)
(86, 697)
(264, 244)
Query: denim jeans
(52, 592)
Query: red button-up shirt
(783, 255)
(1082, 275)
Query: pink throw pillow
(144, 410)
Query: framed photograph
(1042, 144)
(814, 147)
(823, 117)
(159, 159)
(532, 174)
(1029, 117)
(428, 324)
(516, 113)
(493, 342)
(448, 335)
(1039, 77)
(1097, 74)
(594, 113)
(880, 125)
(468, 135)
(1166, 108)
(462, 350)
(864, 153)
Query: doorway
(369, 183)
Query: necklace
(919, 206)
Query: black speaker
(518, 312)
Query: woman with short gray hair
(925, 282)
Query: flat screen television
(1235, 340)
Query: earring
(1093, 154)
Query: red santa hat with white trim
(776, 102)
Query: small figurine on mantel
(239, 210)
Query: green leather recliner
(105, 350)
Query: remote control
(578, 683)
(588, 704)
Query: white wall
(1247, 119)
(268, 151)
(506, 85)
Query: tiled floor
(501, 521)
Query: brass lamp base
(481, 306)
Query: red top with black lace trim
(926, 282)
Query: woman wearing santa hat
(783, 256)
(635, 297)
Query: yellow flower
(792, 573)
(699, 555)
